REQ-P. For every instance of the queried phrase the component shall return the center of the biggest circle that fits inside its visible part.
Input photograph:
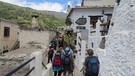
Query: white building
(91, 21)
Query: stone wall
(40, 37)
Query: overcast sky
(50, 5)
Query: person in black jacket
(50, 51)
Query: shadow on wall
(102, 43)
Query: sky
(50, 5)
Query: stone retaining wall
(30, 41)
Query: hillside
(59, 15)
(22, 15)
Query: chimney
(34, 21)
(69, 8)
(82, 4)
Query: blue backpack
(67, 58)
(93, 65)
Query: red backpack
(57, 61)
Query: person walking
(57, 65)
(60, 41)
(50, 52)
(54, 42)
(68, 61)
(91, 64)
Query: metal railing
(19, 67)
(15, 44)
(80, 38)
(79, 44)
(44, 65)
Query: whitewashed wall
(78, 13)
(118, 58)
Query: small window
(80, 27)
(81, 21)
(6, 31)
(94, 21)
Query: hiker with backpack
(91, 64)
(68, 61)
(57, 65)
(54, 42)
(50, 52)
(60, 41)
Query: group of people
(57, 41)
(63, 61)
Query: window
(93, 21)
(81, 21)
(6, 31)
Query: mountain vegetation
(59, 15)
(23, 16)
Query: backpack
(57, 61)
(51, 51)
(67, 58)
(93, 65)
(60, 41)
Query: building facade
(91, 22)
(9, 32)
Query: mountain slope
(59, 15)
(22, 15)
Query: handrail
(16, 42)
(29, 71)
(80, 38)
(19, 67)
(44, 65)
(79, 45)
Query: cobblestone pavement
(77, 72)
